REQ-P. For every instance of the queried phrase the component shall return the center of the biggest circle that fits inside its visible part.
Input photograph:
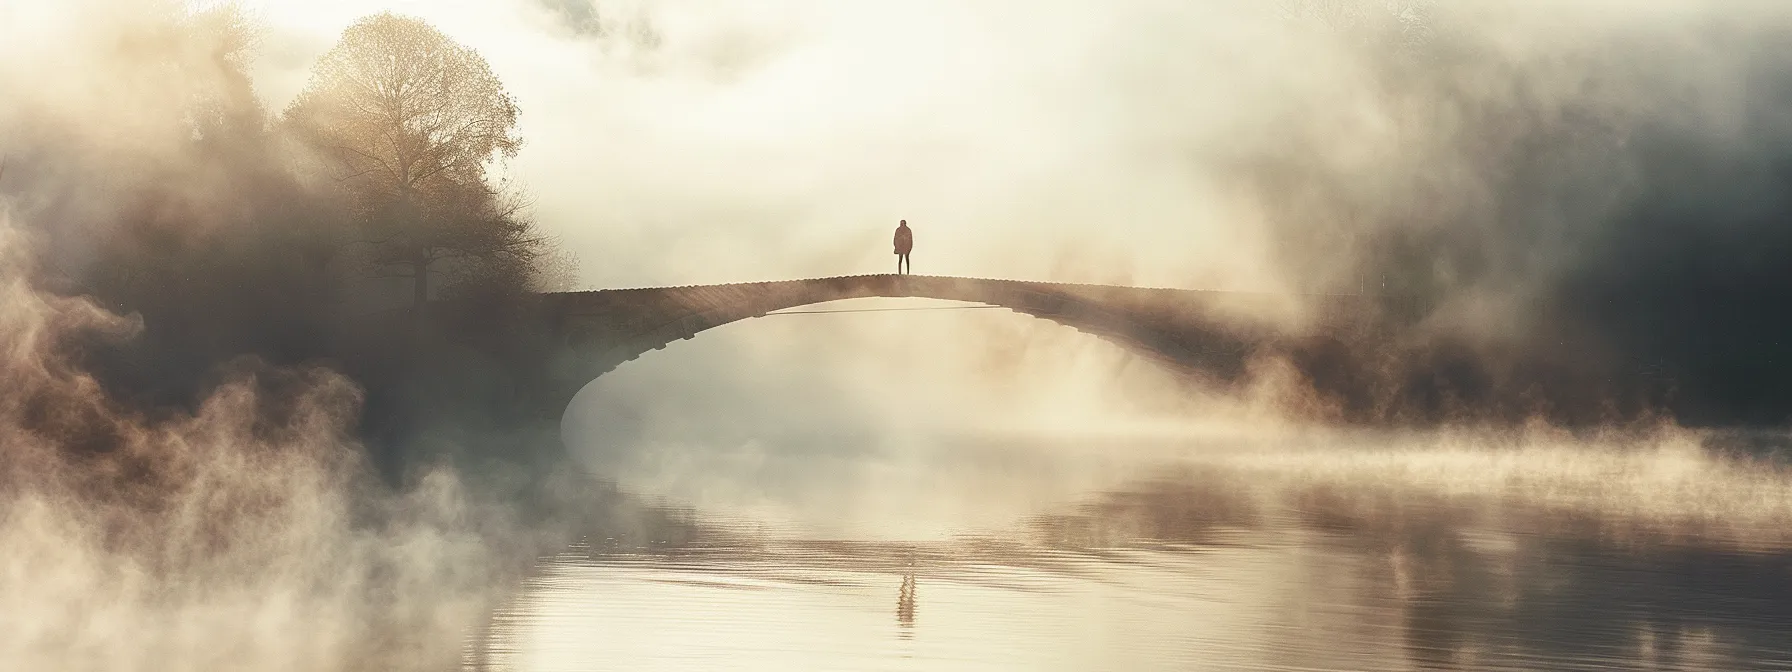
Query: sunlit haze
(726, 141)
(545, 335)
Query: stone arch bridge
(1207, 333)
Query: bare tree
(557, 271)
(408, 120)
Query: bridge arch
(730, 303)
(1185, 330)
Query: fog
(1563, 213)
(1543, 196)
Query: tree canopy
(407, 120)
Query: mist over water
(213, 540)
(1553, 446)
(1024, 522)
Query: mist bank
(1558, 212)
(220, 447)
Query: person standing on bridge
(905, 241)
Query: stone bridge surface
(1212, 333)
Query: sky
(1532, 156)
(1531, 171)
(685, 142)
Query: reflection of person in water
(905, 600)
(905, 241)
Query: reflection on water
(1197, 566)
(957, 501)
(905, 602)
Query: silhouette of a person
(905, 241)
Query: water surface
(1189, 566)
(979, 491)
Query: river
(787, 543)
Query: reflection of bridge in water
(1212, 333)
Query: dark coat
(905, 239)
